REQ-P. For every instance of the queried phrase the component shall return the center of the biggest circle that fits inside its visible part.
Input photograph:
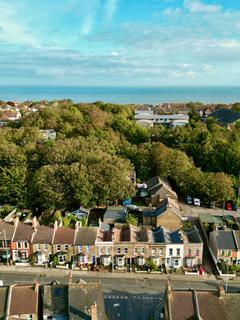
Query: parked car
(189, 200)
(196, 202)
(228, 206)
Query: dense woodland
(99, 145)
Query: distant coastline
(136, 95)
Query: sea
(136, 95)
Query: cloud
(111, 8)
(13, 29)
(197, 6)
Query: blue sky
(120, 42)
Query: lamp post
(5, 241)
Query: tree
(132, 219)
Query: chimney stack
(36, 286)
(60, 222)
(77, 226)
(94, 311)
(34, 224)
(55, 225)
(16, 221)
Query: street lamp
(5, 240)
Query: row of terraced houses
(22, 243)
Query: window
(58, 247)
(223, 253)
(178, 251)
(229, 252)
(39, 246)
(135, 250)
(161, 252)
(170, 251)
(176, 263)
(168, 260)
(88, 247)
(107, 250)
(197, 252)
(66, 247)
(46, 246)
(100, 250)
(61, 258)
(80, 248)
(19, 245)
(118, 250)
(142, 250)
(154, 252)
(125, 250)
(190, 252)
(25, 244)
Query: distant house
(148, 118)
(224, 246)
(193, 248)
(42, 243)
(115, 214)
(166, 215)
(174, 248)
(63, 243)
(21, 243)
(6, 235)
(84, 247)
(159, 190)
(49, 134)
(81, 213)
(226, 117)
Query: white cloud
(197, 6)
(12, 29)
(111, 8)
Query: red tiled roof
(24, 300)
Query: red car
(228, 206)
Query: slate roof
(3, 301)
(64, 235)
(24, 300)
(55, 299)
(226, 116)
(156, 184)
(114, 214)
(225, 239)
(86, 235)
(23, 232)
(158, 235)
(193, 236)
(43, 235)
(81, 297)
(164, 205)
(9, 229)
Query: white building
(148, 118)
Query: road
(194, 211)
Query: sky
(120, 42)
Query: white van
(196, 202)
